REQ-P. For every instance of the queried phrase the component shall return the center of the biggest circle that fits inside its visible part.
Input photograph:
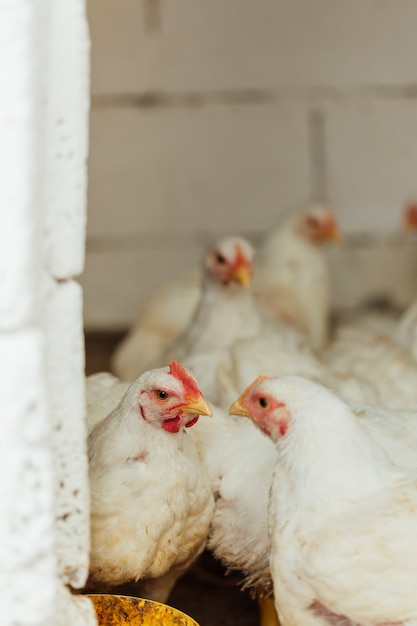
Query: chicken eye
(161, 394)
(220, 258)
(312, 222)
(263, 402)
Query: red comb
(410, 214)
(191, 388)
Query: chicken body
(375, 361)
(240, 462)
(292, 277)
(151, 497)
(282, 352)
(343, 517)
(406, 330)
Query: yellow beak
(334, 234)
(239, 409)
(408, 225)
(197, 407)
(242, 275)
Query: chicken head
(319, 225)
(230, 261)
(169, 398)
(259, 403)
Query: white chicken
(292, 276)
(282, 353)
(151, 497)
(377, 361)
(226, 312)
(292, 284)
(406, 330)
(343, 517)
(241, 460)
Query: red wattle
(172, 425)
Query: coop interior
(246, 208)
(220, 119)
(217, 119)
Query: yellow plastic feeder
(112, 610)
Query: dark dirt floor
(205, 593)
(211, 598)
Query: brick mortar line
(194, 99)
(124, 243)
(121, 242)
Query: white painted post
(44, 500)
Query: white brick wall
(211, 117)
(242, 44)
(204, 169)
(372, 160)
(115, 279)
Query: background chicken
(151, 498)
(225, 312)
(290, 274)
(342, 517)
(377, 361)
(406, 329)
(389, 320)
(271, 353)
(292, 278)
(359, 365)
(379, 350)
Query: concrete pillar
(44, 500)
